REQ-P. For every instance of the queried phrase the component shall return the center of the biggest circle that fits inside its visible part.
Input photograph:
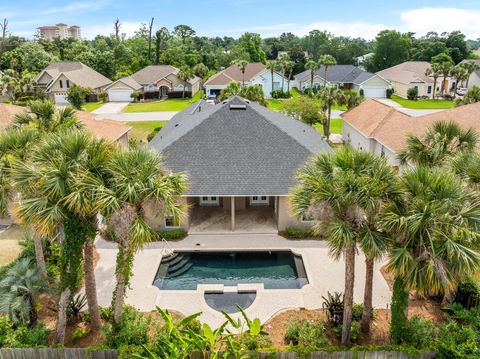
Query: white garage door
(119, 95)
(375, 92)
(61, 98)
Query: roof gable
(234, 73)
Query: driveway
(110, 108)
(136, 116)
(408, 111)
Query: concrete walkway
(110, 108)
(324, 274)
(137, 116)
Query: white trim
(209, 200)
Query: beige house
(58, 77)
(412, 74)
(240, 159)
(154, 81)
(378, 128)
(61, 31)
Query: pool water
(275, 269)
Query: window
(276, 85)
(68, 83)
(429, 89)
(259, 200)
(209, 201)
(61, 84)
(170, 222)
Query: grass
(92, 106)
(10, 243)
(141, 129)
(275, 104)
(424, 104)
(173, 104)
(335, 126)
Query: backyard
(423, 104)
(141, 129)
(173, 104)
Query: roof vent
(176, 125)
(238, 107)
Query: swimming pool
(275, 269)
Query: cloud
(76, 7)
(445, 19)
(128, 27)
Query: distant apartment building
(61, 31)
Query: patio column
(232, 209)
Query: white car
(461, 91)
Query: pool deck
(324, 274)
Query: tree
(76, 96)
(313, 67)
(136, 180)
(253, 93)
(445, 64)
(440, 144)
(272, 65)
(16, 85)
(19, 288)
(150, 40)
(351, 98)
(343, 193)
(183, 32)
(326, 61)
(161, 38)
(249, 47)
(289, 67)
(471, 96)
(391, 48)
(185, 74)
(242, 66)
(329, 96)
(470, 67)
(4, 30)
(435, 228)
(305, 109)
(459, 74)
(434, 71)
(116, 27)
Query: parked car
(212, 100)
(461, 91)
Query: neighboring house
(412, 74)
(474, 79)
(58, 77)
(240, 159)
(378, 128)
(255, 74)
(361, 59)
(154, 81)
(61, 31)
(345, 77)
(281, 54)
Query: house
(154, 81)
(378, 128)
(240, 159)
(474, 79)
(346, 77)
(61, 31)
(412, 74)
(58, 77)
(255, 74)
(359, 60)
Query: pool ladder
(166, 250)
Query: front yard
(174, 104)
(141, 129)
(335, 126)
(423, 104)
(92, 106)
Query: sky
(354, 18)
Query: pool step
(174, 261)
(170, 258)
(181, 270)
(178, 265)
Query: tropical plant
(412, 93)
(16, 84)
(471, 96)
(272, 65)
(467, 165)
(459, 73)
(343, 193)
(350, 98)
(253, 93)
(185, 74)
(19, 290)
(329, 96)
(326, 61)
(313, 67)
(289, 68)
(333, 303)
(434, 71)
(441, 143)
(445, 64)
(242, 66)
(470, 67)
(305, 337)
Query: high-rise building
(61, 31)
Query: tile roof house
(378, 128)
(345, 77)
(58, 77)
(240, 158)
(154, 81)
(412, 74)
(256, 73)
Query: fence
(72, 353)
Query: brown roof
(107, 129)
(152, 73)
(391, 127)
(407, 72)
(233, 73)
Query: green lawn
(275, 104)
(424, 104)
(141, 129)
(339, 107)
(92, 106)
(174, 104)
(335, 126)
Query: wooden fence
(72, 353)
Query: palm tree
(467, 165)
(436, 231)
(326, 61)
(445, 68)
(289, 67)
(136, 180)
(329, 96)
(185, 74)
(313, 67)
(460, 74)
(242, 65)
(272, 65)
(471, 67)
(351, 98)
(9, 83)
(57, 197)
(201, 71)
(19, 288)
(441, 143)
(341, 193)
(434, 71)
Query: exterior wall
(120, 86)
(240, 203)
(305, 83)
(123, 141)
(44, 79)
(375, 82)
(474, 80)
(157, 221)
(177, 84)
(285, 217)
(265, 80)
(56, 85)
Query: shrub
(135, 95)
(412, 93)
(133, 329)
(467, 291)
(281, 94)
(333, 303)
(390, 92)
(298, 233)
(305, 336)
(152, 134)
(419, 333)
(102, 96)
(75, 306)
(176, 233)
(357, 311)
(22, 336)
(361, 93)
(76, 96)
(456, 341)
(79, 333)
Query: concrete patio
(324, 274)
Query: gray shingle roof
(339, 74)
(224, 151)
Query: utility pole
(150, 40)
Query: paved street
(136, 116)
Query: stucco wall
(474, 80)
(265, 80)
(285, 216)
(154, 219)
